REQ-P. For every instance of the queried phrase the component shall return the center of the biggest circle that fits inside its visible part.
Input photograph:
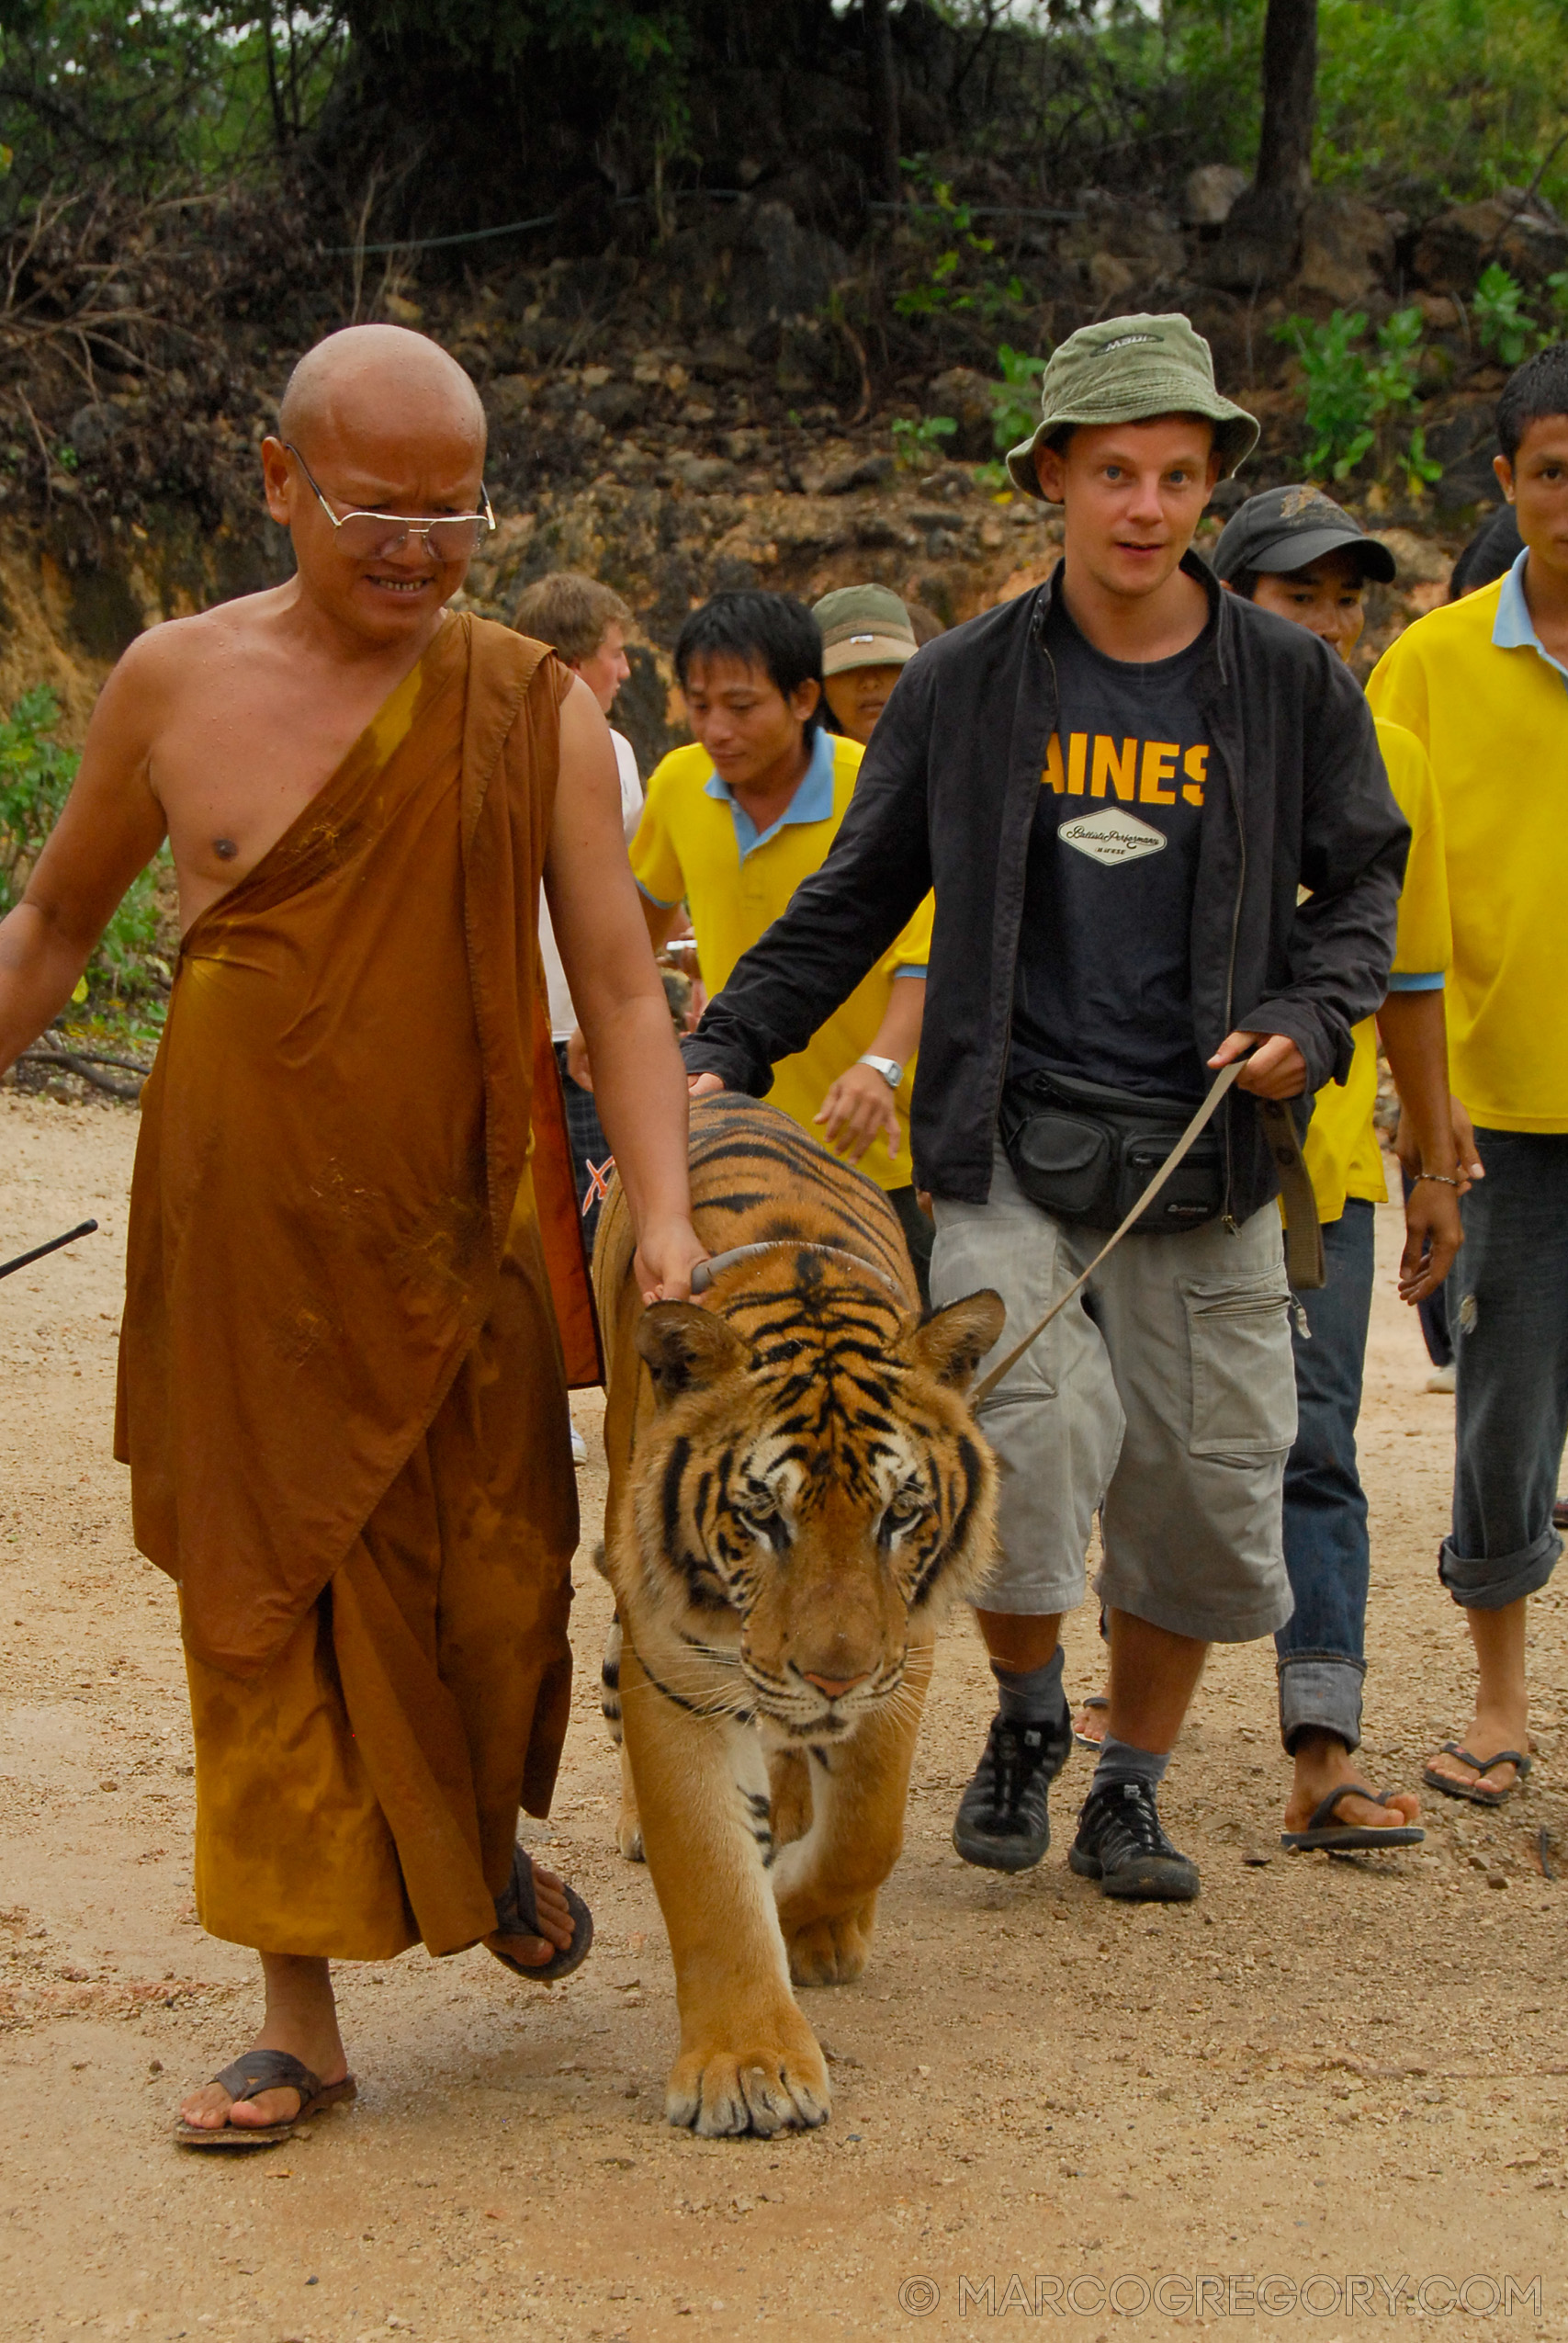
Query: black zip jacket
(1297, 798)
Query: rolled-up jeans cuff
(1320, 1691)
(1490, 1582)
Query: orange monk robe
(343, 1391)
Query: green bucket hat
(1129, 369)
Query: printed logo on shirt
(1152, 773)
(1111, 837)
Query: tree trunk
(1262, 235)
(882, 89)
(1290, 99)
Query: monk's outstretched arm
(110, 828)
(640, 1083)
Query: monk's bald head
(375, 386)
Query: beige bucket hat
(864, 626)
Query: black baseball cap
(1287, 528)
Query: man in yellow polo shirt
(731, 827)
(1295, 551)
(1483, 686)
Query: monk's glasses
(364, 536)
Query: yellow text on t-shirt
(1135, 769)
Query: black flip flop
(248, 2077)
(1473, 1791)
(1348, 1838)
(517, 1914)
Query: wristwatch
(889, 1068)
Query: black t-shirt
(1103, 987)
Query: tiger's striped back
(755, 1178)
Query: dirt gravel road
(1326, 2096)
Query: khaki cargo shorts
(1164, 1396)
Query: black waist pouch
(1087, 1153)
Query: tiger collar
(716, 1264)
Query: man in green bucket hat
(1128, 369)
(1119, 786)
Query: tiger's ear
(686, 1348)
(952, 1341)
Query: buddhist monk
(349, 1325)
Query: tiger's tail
(610, 1680)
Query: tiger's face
(811, 1486)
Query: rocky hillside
(740, 403)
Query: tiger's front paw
(789, 1786)
(831, 1951)
(763, 2089)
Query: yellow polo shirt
(1490, 707)
(1342, 1151)
(696, 845)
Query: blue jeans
(1319, 1649)
(1509, 1318)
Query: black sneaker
(1002, 1823)
(1121, 1843)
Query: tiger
(797, 1495)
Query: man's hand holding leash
(1274, 1069)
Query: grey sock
(1119, 1762)
(1033, 1696)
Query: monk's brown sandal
(248, 2077)
(517, 1914)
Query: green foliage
(1394, 373)
(1338, 394)
(1015, 400)
(1352, 398)
(497, 33)
(1503, 326)
(956, 279)
(1421, 98)
(914, 443)
(36, 774)
(158, 92)
(1420, 470)
(1434, 98)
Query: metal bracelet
(1442, 1178)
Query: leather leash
(1303, 1237)
(1304, 1230)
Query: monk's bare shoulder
(170, 680)
(178, 650)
